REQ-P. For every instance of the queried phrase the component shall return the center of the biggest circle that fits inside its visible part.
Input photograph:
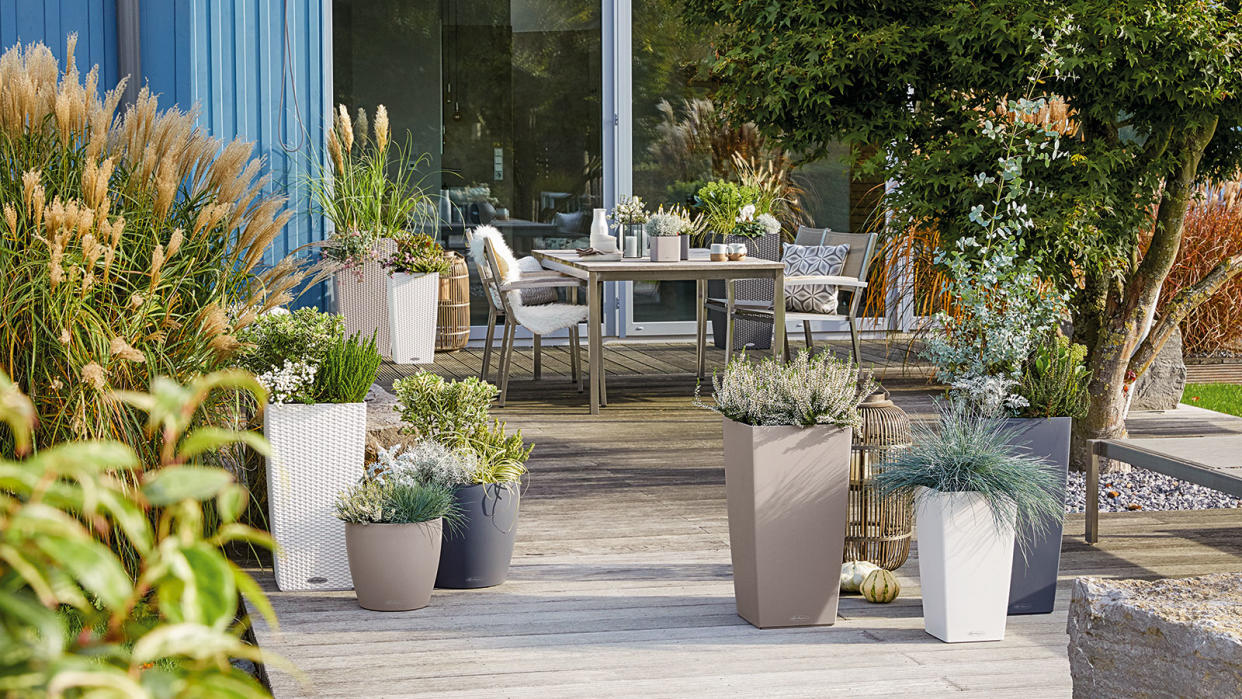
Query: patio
(621, 581)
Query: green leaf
(49, 642)
(99, 677)
(211, 439)
(129, 517)
(93, 565)
(190, 640)
(83, 458)
(231, 503)
(207, 591)
(171, 485)
(255, 594)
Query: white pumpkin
(854, 572)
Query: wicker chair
(853, 279)
(503, 284)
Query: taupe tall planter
(394, 565)
(788, 492)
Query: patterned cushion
(535, 296)
(817, 261)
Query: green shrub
(721, 201)
(1054, 381)
(455, 414)
(173, 631)
(346, 372)
(281, 336)
(304, 357)
(396, 501)
(130, 248)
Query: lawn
(1222, 397)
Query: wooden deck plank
(621, 581)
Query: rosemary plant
(347, 370)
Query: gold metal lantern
(879, 528)
(453, 315)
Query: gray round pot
(477, 554)
(394, 565)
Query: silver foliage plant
(426, 462)
(819, 390)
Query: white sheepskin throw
(542, 319)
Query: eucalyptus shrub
(173, 630)
(131, 247)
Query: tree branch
(1176, 310)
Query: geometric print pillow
(817, 261)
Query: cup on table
(736, 251)
(719, 252)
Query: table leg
(778, 318)
(1093, 493)
(603, 368)
(594, 361)
(730, 302)
(700, 323)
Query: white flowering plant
(662, 225)
(808, 390)
(751, 226)
(290, 382)
(630, 211)
(426, 462)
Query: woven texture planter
(453, 313)
(412, 300)
(365, 303)
(317, 451)
(879, 528)
(756, 334)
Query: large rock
(1161, 386)
(383, 421)
(1180, 637)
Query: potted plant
(1054, 390)
(737, 213)
(664, 231)
(316, 422)
(630, 217)
(478, 460)
(972, 492)
(414, 270)
(393, 528)
(787, 435)
(691, 226)
(370, 191)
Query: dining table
(699, 268)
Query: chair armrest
(832, 281)
(551, 282)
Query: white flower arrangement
(746, 214)
(630, 211)
(769, 223)
(287, 383)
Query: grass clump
(396, 501)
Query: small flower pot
(665, 248)
(685, 246)
(965, 561)
(1033, 589)
(478, 552)
(787, 490)
(412, 302)
(317, 451)
(394, 565)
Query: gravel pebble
(1144, 490)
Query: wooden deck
(621, 582)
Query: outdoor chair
(852, 279)
(522, 293)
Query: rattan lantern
(879, 528)
(453, 314)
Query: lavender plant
(818, 390)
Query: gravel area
(1144, 490)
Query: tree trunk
(1121, 330)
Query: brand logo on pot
(799, 617)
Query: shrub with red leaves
(1213, 232)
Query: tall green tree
(1152, 89)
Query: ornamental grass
(132, 246)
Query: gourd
(880, 586)
(853, 573)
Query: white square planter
(412, 300)
(317, 451)
(665, 249)
(363, 300)
(965, 562)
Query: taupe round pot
(394, 565)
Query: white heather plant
(819, 390)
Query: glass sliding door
(504, 98)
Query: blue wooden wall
(228, 57)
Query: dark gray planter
(478, 553)
(1033, 586)
(685, 247)
(757, 334)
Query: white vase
(317, 451)
(600, 239)
(412, 300)
(965, 561)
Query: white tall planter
(412, 300)
(363, 298)
(965, 562)
(317, 451)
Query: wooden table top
(698, 264)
